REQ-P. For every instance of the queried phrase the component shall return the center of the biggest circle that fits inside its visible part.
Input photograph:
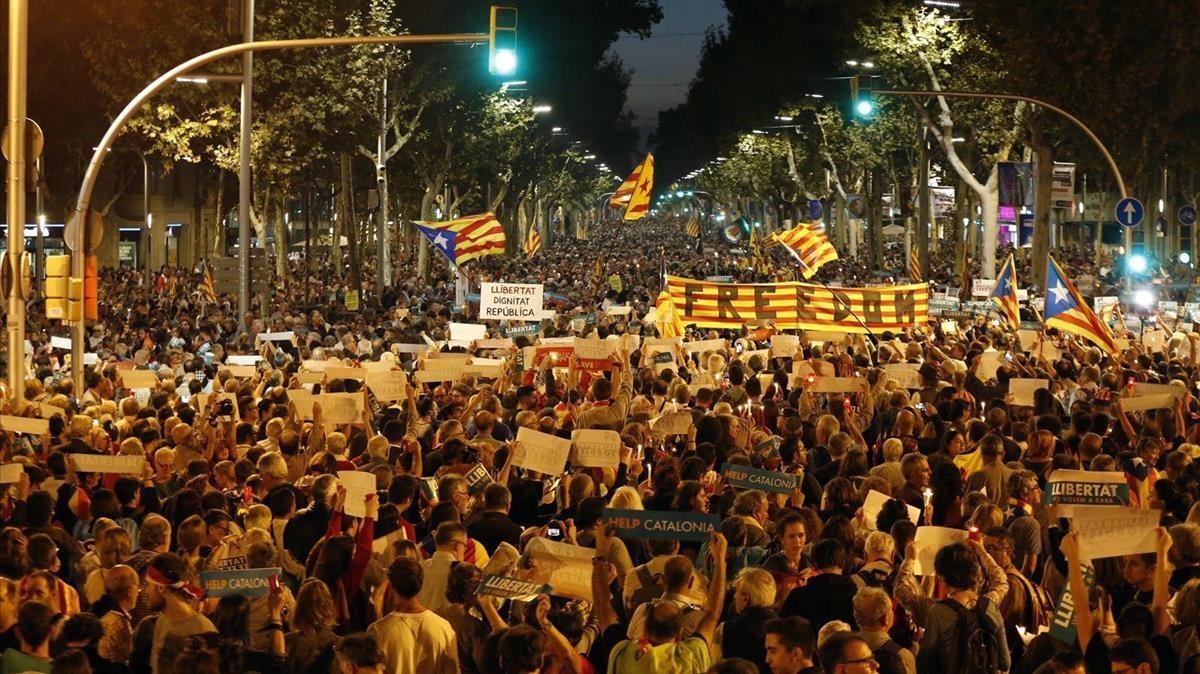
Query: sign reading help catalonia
(247, 582)
(798, 305)
(661, 524)
(746, 477)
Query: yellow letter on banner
(802, 306)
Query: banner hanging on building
(802, 306)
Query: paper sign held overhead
(24, 425)
(340, 408)
(388, 386)
(251, 359)
(541, 452)
(595, 448)
(467, 332)
(874, 503)
(99, 463)
(244, 582)
(139, 379)
(11, 472)
(1022, 390)
(838, 385)
(1105, 531)
(359, 485)
(745, 477)
(929, 540)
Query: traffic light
(502, 41)
(860, 99)
(58, 272)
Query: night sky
(664, 64)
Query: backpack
(1039, 609)
(888, 657)
(978, 650)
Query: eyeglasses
(870, 663)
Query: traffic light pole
(114, 130)
(15, 152)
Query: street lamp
(542, 109)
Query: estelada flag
(624, 193)
(914, 266)
(1004, 294)
(693, 228)
(533, 242)
(1067, 311)
(467, 238)
(639, 201)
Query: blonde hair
(258, 516)
(272, 464)
(627, 498)
(377, 447)
(893, 449)
(335, 442)
(871, 607)
(132, 447)
(879, 545)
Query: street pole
(244, 167)
(146, 221)
(40, 250)
(18, 45)
(92, 173)
(383, 272)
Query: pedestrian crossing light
(502, 41)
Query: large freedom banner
(802, 306)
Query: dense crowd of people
(113, 571)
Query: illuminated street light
(1143, 298)
(542, 109)
(1137, 263)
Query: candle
(928, 494)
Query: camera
(555, 530)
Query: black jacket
(493, 528)
(826, 597)
(744, 636)
(305, 529)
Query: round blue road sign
(1130, 212)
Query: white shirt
(437, 573)
(421, 643)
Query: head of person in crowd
(791, 645)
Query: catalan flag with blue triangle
(1067, 311)
(465, 239)
(1004, 294)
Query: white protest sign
(11, 472)
(705, 345)
(310, 377)
(510, 302)
(672, 423)
(24, 425)
(439, 370)
(467, 332)
(358, 485)
(388, 386)
(822, 337)
(929, 540)
(410, 348)
(341, 372)
(595, 354)
(989, 364)
(484, 368)
(838, 385)
(982, 287)
(819, 368)
(91, 358)
(276, 336)
(1028, 338)
(619, 310)
(1103, 302)
(566, 568)
(1140, 389)
(907, 377)
(243, 359)
(1158, 401)
(100, 463)
(784, 345)
(340, 408)
(595, 448)
(303, 400)
(240, 371)
(1022, 390)
(1112, 531)
(60, 343)
(542, 452)
(874, 503)
(493, 344)
(139, 379)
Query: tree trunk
(427, 200)
(283, 244)
(875, 233)
(924, 208)
(989, 201)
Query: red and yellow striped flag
(914, 266)
(798, 306)
(207, 288)
(811, 247)
(467, 238)
(693, 228)
(533, 242)
(666, 318)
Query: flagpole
(830, 290)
